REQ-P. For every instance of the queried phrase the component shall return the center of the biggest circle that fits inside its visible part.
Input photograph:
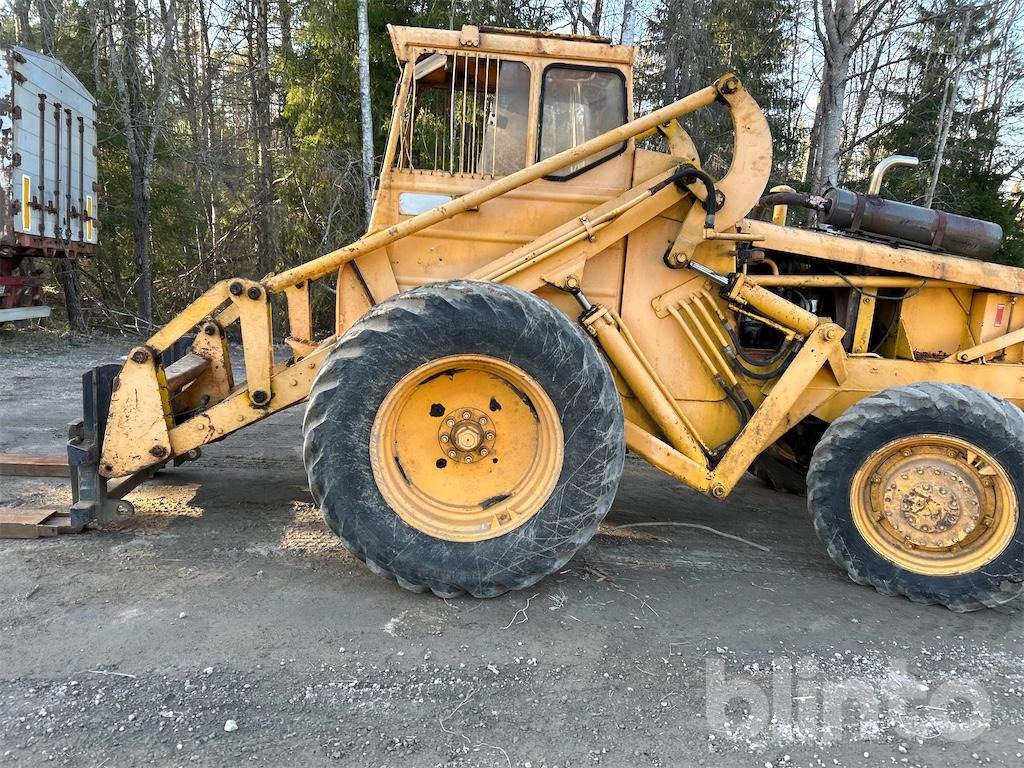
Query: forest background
(231, 141)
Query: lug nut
(450, 422)
(469, 459)
(466, 414)
(452, 454)
(489, 436)
(483, 419)
(445, 438)
(483, 451)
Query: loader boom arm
(146, 429)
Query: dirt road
(226, 599)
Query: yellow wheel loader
(536, 293)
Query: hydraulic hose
(711, 201)
(774, 373)
(687, 173)
(779, 353)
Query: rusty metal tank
(947, 232)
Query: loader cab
(486, 102)
(476, 104)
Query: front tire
(464, 437)
(917, 490)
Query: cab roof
(516, 42)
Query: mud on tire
(928, 408)
(463, 318)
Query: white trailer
(48, 175)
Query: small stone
(230, 726)
(182, 615)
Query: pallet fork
(95, 499)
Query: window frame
(540, 115)
(398, 160)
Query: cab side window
(467, 114)
(577, 104)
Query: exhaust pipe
(884, 166)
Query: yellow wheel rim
(466, 448)
(934, 505)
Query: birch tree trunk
(842, 27)
(364, 104)
(628, 22)
(948, 108)
(833, 21)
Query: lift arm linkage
(157, 414)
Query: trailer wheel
(464, 437)
(917, 491)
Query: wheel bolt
(469, 459)
(450, 422)
(466, 414)
(445, 438)
(489, 435)
(453, 454)
(483, 451)
(483, 419)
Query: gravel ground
(223, 625)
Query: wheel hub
(934, 504)
(931, 501)
(443, 470)
(466, 435)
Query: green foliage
(204, 209)
(976, 167)
(693, 42)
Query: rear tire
(917, 491)
(467, 354)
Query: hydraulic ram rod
(331, 262)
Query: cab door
(473, 117)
